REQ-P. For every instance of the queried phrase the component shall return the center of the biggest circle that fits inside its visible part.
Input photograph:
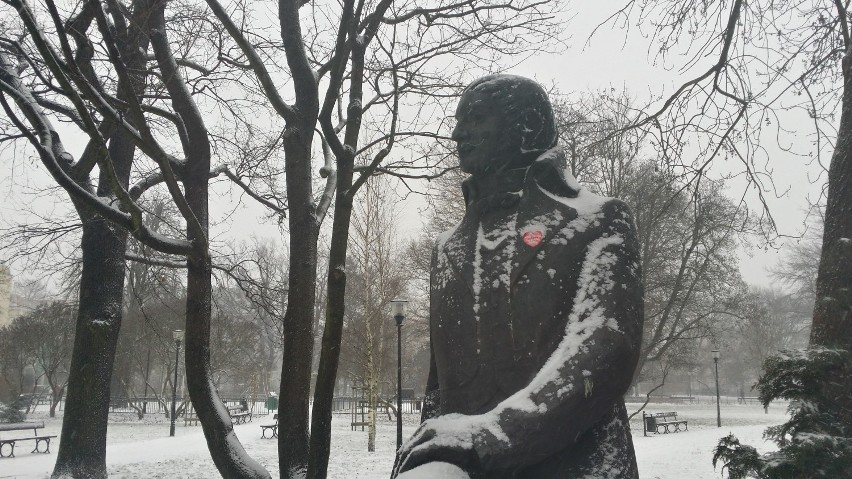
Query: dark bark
(293, 435)
(832, 321)
(333, 331)
(82, 446)
(298, 328)
(228, 454)
(55, 397)
(320, 445)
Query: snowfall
(143, 449)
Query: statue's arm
(432, 398)
(593, 365)
(588, 373)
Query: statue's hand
(470, 442)
(440, 439)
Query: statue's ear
(530, 128)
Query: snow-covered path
(144, 450)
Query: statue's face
(482, 136)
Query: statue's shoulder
(587, 203)
(443, 237)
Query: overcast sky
(610, 59)
(614, 58)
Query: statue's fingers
(422, 435)
(414, 457)
(431, 452)
(405, 452)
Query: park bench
(682, 399)
(239, 415)
(190, 418)
(664, 422)
(269, 427)
(24, 426)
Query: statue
(536, 308)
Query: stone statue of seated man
(536, 308)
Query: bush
(816, 442)
(13, 412)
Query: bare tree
(17, 361)
(767, 322)
(599, 148)
(52, 341)
(689, 266)
(84, 423)
(379, 276)
(799, 264)
(69, 85)
(763, 59)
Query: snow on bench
(239, 415)
(24, 426)
(665, 421)
(269, 427)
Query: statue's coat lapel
(537, 213)
(459, 249)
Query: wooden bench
(24, 426)
(190, 418)
(269, 427)
(239, 415)
(664, 422)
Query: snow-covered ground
(143, 449)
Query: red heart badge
(532, 238)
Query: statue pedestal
(433, 470)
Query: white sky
(609, 59)
(613, 58)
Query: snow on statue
(536, 308)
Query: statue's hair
(526, 106)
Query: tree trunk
(82, 445)
(371, 381)
(55, 397)
(293, 435)
(333, 331)
(832, 320)
(228, 454)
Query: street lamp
(177, 335)
(398, 307)
(718, 408)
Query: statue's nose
(459, 133)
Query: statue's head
(503, 122)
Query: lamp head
(398, 310)
(715, 354)
(177, 335)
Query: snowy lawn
(142, 449)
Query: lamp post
(718, 407)
(398, 306)
(178, 337)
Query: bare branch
(281, 107)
